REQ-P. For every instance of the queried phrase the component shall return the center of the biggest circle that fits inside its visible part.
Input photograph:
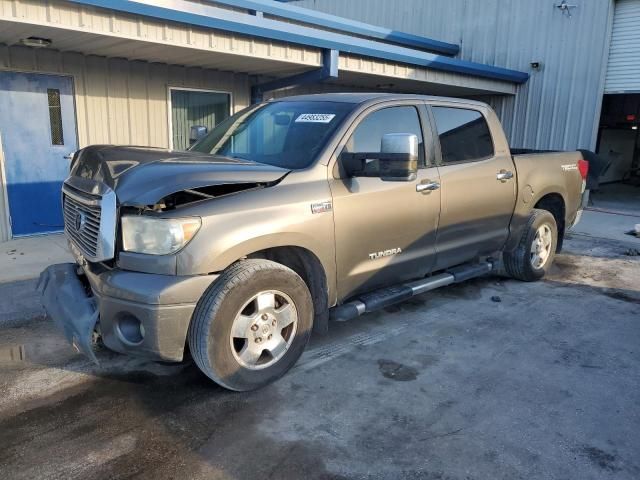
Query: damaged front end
(119, 217)
(66, 300)
(192, 195)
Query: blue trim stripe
(319, 19)
(286, 32)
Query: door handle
(504, 175)
(427, 187)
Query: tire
(522, 263)
(238, 301)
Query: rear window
(464, 135)
(286, 134)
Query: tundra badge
(385, 253)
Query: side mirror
(398, 157)
(397, 160)
(196, 133)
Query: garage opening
(618, 148)
(618, 144)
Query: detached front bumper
(65, 300)
(135, 313)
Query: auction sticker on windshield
(315, 117)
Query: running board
(384, 297)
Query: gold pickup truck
(292, 212)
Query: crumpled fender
(67, 304)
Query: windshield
(284, 134)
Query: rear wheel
(252, 325)
(536, 250)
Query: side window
(55, 116)
(367, 137)
(464, 134)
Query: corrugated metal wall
(123, 102)
(118, 101)
(560, 105)
(623, 72)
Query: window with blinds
(195, 108)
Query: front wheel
(536, 250)
(252, 325)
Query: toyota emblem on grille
(80, 221)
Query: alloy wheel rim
(263, 329)
(541, 246)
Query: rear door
(385, 231)
(38, 130)
(478, 186)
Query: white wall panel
(120, 101)
(623, 71)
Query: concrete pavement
(24, 258)
(450, 385)
(21, 261)
(612, 226)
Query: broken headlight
(157, 236)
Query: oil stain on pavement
(397, 371)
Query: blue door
(37, 130)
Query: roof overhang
(196, 34)
(208, 16)
(340, 24)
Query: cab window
(464, 135)
(367, 137)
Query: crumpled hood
(143, 176)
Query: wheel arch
(552, 199)
(555, 204)
(309, 267)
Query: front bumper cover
(83, 299)
(65, 299)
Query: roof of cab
(357, 98)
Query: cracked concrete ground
(542, 382)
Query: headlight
(157, 236)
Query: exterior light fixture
(36, 42)
(565, 8)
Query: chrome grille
(82, 224)
(90, 219)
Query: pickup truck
(293, 212)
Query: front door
(385, 231)
(38, 132)
(478, 186)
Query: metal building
(583, 57)
(141, 72)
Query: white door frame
(170, 88)
(5, 195)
